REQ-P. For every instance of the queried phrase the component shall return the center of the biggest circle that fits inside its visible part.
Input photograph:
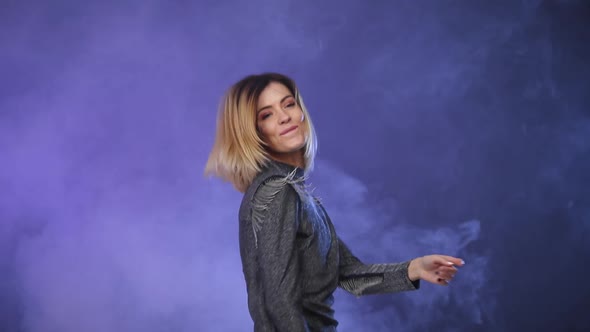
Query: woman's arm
(275, 216)
(363, 279)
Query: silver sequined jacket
(293, 260)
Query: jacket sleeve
(275, 216)
(359, 279)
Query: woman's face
(280, 122)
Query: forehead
(273, 93)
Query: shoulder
(268, 186)
(270, 180)
(275, 190)
(274, 199)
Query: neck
(294, 159)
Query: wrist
(413, 269)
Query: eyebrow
(269, 106)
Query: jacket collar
(286, 169)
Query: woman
(291, 256)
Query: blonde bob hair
(239, 153)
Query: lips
(288, 130)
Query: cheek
(265, 132)
(304, 124)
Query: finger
(443, 260)
(449, 269)
(445, 275)
(453, 260)
(437, 280)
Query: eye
(289, 105)
(264, 116)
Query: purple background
(457, 127)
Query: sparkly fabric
(293, 260)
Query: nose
(284, 117)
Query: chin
(289, 146)
(292, 148)
(293, 144)
(298, 146)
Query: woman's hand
(437, 269)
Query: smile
(288, 130)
